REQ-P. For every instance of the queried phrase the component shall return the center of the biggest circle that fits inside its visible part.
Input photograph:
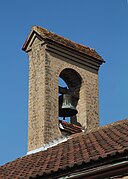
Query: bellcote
(50, 57)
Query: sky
(99, 24)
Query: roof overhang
(51, 37)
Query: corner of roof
(24, 47)
(34, 29)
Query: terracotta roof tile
(92, 146)
(71, 128)
(63, 41)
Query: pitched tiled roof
(79, 149)
(71, 128)
(63, 41)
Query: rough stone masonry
(50, 54)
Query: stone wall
(40, 129)
(44, 70)
(88, 114)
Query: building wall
(44, 70)
(87, 107)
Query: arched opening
(69, 88)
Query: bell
(66, 107)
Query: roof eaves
(48, 35)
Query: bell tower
(50, 57)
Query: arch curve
(71, 77)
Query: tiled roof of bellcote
(45, 34)
(68, 127)
(79, 149)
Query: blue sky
(100, 24)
